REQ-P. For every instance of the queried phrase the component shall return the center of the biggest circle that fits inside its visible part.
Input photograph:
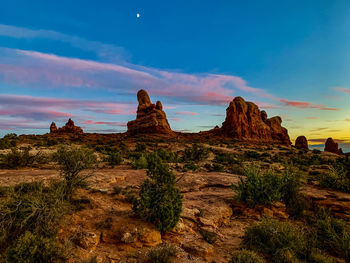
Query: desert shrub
(190, 166)
(33, 248)
(167, 156)
(316, 151)
(208, 236)
(336, 178)
(140, 163)
(195, 153)
(246, 256)
(252, 155)
(227, 158)
(333, 235)
(114, 158)
(8, 141)
(73, 160)
(29, 217)
(218, 167)
(282, 241)
(140, 147)
(258, 187)
(18, 158)
(296, 203)
(162, 254)
(160, 201)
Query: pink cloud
(189, 113)
(342, 89)
(175, 119)
(110, 123)
(306, 105)
(24, 104)
(49, 70)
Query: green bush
(162, 254)
(160, 201)
(114, 158)
(296, 203)
(29, 219)
(18, 158)
(285, 242)
(33, 248)
(190, 166)
(218, 167)
(140, 163)
(73, 160)
(9, 141)
(282, 241)
(336, 179)
(252, 155)
(227, 158)
(333, 235)
(258, 187)
(167, 156)
(195, 153)
(140, 147)
(246, 256)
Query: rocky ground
(106, 230)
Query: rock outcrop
(150, 117)
(244, 121)
(68, 128)
(301, 143)
(332, 146)
(53, 127)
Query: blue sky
(87, 59)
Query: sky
(86, 60)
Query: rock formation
(150, 117)
(301, 143)
(332, 146)
(53, 127)
(244, 121)
(68, 128)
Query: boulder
(68, 128)
(332, 146)
(301, 143)
(244, 121)
(150, 117)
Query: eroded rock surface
(301, 143)
(332, 146)
(150, 117)
(68, 128)
(244, 121)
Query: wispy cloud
(341, 89)
(43, 108)
(188, 113)
(175, 119)
(105, 51)
(109, 123)
(306, 105)
(48, 70)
